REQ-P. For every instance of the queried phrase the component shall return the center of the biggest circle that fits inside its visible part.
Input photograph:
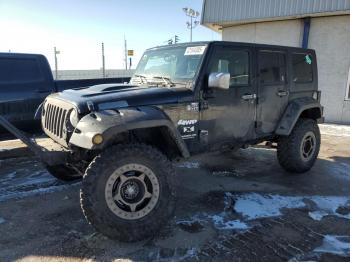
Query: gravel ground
(235, 206)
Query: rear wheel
(298, 152)
(64, 173)
(126, 192)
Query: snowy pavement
(231, 207)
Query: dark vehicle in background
(183, 100)
(25, 81)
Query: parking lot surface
(232, 206)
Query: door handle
(249, 96)
(282, 93)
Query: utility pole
(103, 61)
(56, 52)
(192, 14)
(126, 53)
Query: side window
(302, 68)
(19, 70)
(235, 62)
(272, 67)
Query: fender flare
(293, 112)
(109, 123)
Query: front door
(273, 89)
(228, 116)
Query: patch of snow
(335, 130)
(220, 222)
(2, 220)
(317, 215)
(328, 206)
(338, 245)
(254, 206)
(189, 165)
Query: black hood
(110, 96)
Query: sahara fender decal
(293, 112)
(110, 123)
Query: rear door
(272, 88)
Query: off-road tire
(93, 199)
(63, 172)
(289, 152)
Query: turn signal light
(97, 139)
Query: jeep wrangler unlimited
(183, 99)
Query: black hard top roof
(235, 43)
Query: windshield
(173, 66)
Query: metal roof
(229, 12)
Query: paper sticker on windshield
(195, 50)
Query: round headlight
(73, 118)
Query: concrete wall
(92, 74)
(329, 36)
(279, 33)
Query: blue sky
(78, 27)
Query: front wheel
(298, 152)
(126, 193)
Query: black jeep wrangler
(182, 100)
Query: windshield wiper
(166, 80)
(142, 78)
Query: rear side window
(302, 68)
(19, 70)
(272, 67)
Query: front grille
(54, 119)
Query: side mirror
(219, 80)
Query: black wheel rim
(132, 191)
(308, 146)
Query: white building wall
(329, 36)
(275, 33)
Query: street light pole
(56, 52)
(125, 53)
(191, 29)
(192, 14)
(103, 61)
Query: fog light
(97, 139)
